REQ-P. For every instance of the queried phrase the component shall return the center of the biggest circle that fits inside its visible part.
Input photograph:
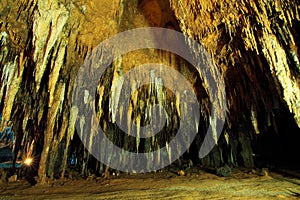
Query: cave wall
(253, 43)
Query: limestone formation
(254, 45)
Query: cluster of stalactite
(255, 46)
(253, 43)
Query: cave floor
(163, 185)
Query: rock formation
(254, 45)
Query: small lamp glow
(28, 161)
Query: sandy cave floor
(163, 185)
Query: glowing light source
(28, 161)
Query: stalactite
(10, 79)
(42, 44)
(49, 21)
(251, 23)
(116, 89)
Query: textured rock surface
(253, 43)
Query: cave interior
(254, 45)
